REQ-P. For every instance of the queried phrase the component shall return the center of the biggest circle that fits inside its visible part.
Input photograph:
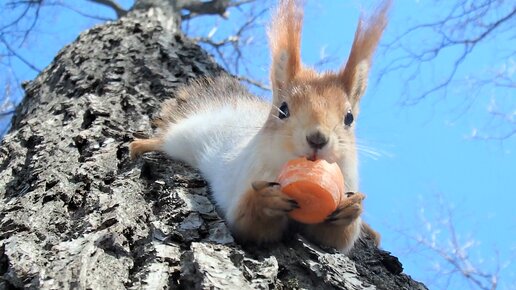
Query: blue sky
(425, 150)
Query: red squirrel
(239, 142)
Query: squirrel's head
(316, 112)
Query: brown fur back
(201, 95)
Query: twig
(213, 7)
(463, 27)
(255, 83)
(27, 8)
(6, 113)
(13, 52)
(64, 5)
(456, 253)
(120, 12)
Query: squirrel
(239, 142)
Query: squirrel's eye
(348, 119)
(283, 111)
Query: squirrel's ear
(285, 41)
(367, 36)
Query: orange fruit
(317, 186)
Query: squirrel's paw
(348, 210)
(261, 215)
(140, 146)
(272, 200)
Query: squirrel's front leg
(342, 228)
(261, 215)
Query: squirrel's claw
(260, 185)
(294, 203)
(272, 199)
(348, 210)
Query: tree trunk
(78, 213)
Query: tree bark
(76, 212)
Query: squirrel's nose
(317, 140)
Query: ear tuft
(285, 41)
(279, 69)
(358, 83)
(367, 36)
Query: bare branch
(21, 58)
(6, 113)
(498, 116)
(503, 137)
(196, 7)
(229, 50)
(214, 7)
(255, 83)
(466, 25)
(120, 12)
(6, 107)
(28, 5)
(434, 59)
(216, 44)
(439, 235)
(65, 5)
(238, 3)
(326, 58)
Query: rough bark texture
(76, 212)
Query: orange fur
(339, 234)
(322, 100)
(335, 236)
(367, 36)
(285, 42)
(140, 146)
(368, 231)
(262, 214)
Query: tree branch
(442, 238)
(64, 5)
(466, 25)
(213, 7)
(255, 83)
(120, 12)
(229, 49)
(238, 3)
(195, 7)
(28, 6)
(6, 113)
(21, 58)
